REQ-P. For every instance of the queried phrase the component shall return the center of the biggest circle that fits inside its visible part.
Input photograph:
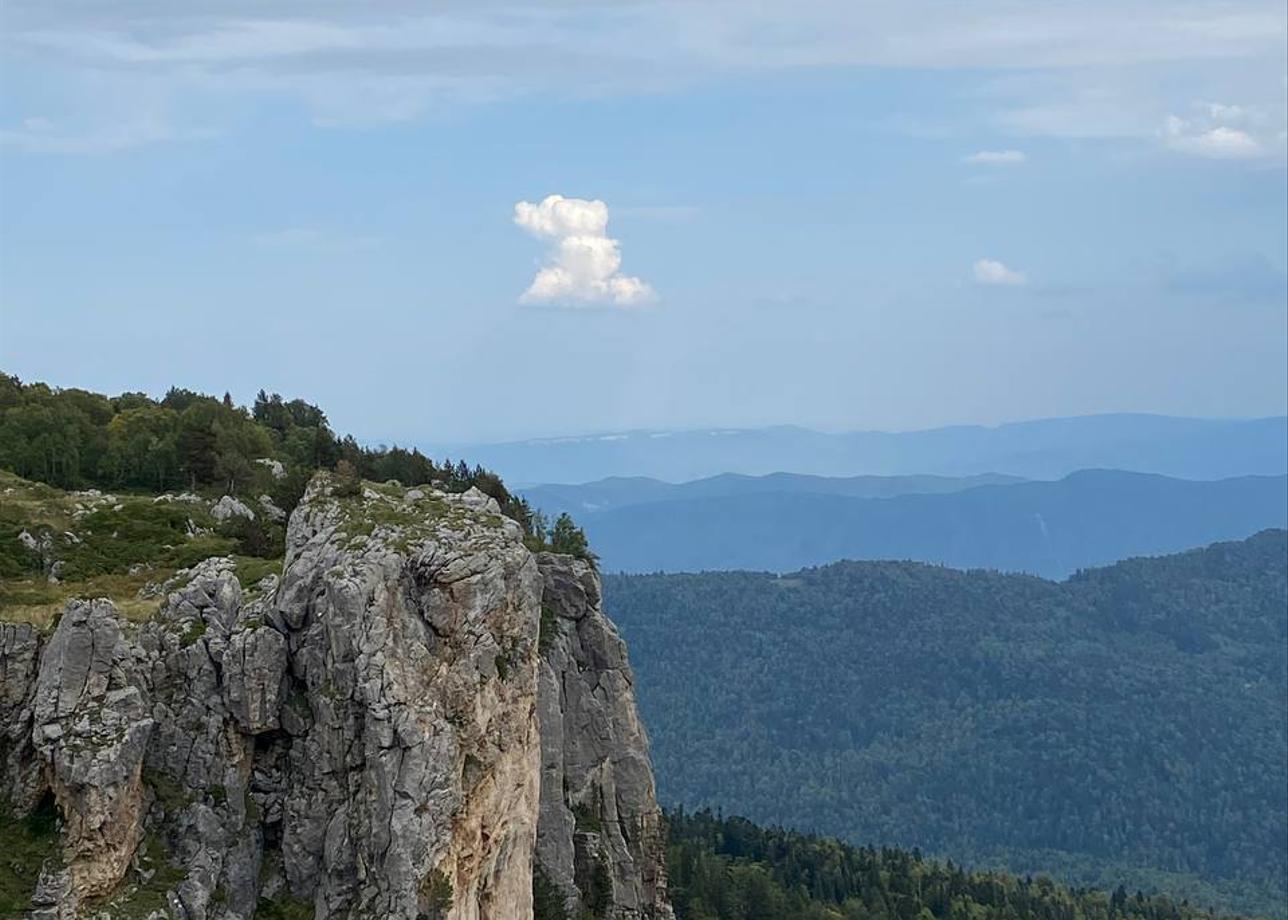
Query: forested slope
(731, 869)
(1128, 724)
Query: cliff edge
(378, 733)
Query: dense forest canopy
(730, 869)
(1128, 724)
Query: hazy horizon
(491, 222)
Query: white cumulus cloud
(991, 271)
(997, 157)
(1219, 132)
(584, 261)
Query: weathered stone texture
(361, 736)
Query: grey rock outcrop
(19, 665)
(271, 511)
(359, 738)
(90, 728)
(229, 507)
(600, 837)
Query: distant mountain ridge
(622, 491)
(1187, 448)
(1093, 517)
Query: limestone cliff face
(600, 839)
(357, 739)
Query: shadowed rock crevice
(600, 838)
(357, 739)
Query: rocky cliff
(600, 839)
(400, 726)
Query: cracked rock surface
(359, 738)
(600, 829)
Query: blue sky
(840, 215)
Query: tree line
(1127, 725)
(76, 439)
(730, 869)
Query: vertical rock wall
(600, 839)
(357, 739)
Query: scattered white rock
(228, 507)
(271, 511)
(476, 498)
(274, 467)
(29, 541)
(188, 497)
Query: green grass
(106, 542)
(587, 818)
(170, 795)
(26, 843)
(283, 907)
(97, 542)
(402, 524)
(436, 890)
(138, 896)
(550, 628)
(194, 630)
(251, 570)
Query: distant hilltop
(783, 522)
(1188, 448)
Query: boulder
(229, 507)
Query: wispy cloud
(395, 60)
(1243, 277)
(997, 157)
(1150, 107)
(40, 135)
(991, 271)
(584, 262)
(1221, 132)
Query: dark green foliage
(348, 482)
(1126, 725)
(145, 893)
(549, 628)
(566, 537)
(112, 540)
(547, 900)
(15, 558)
(26, 842)
(599, 894)
(730, 869)
(74, 440)
(436, 894)
(170, 795)
(283, 907)
(586, 817)
(260, 537)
